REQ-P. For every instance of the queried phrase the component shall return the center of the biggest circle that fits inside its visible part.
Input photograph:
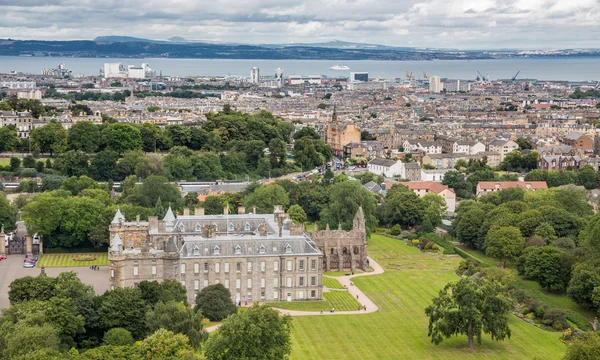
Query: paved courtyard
(12, 268)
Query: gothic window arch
(356, 250)
(345, 251)
(332, 251)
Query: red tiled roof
(432, 186)
(485, 185)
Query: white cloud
(422, 23)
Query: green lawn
(335, 273)
(301, 305)
(341, 300)
(331, 283)
(66, 260)
(4, 161)
(399, 329)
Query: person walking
(365, 307)
(356, 296)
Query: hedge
(466, 255)
(75, 250)
(573, 316)
(440, 241)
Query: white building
(114, 70)
(470, 147)
(503, 147)
(387, 168)
(17, 85)
(255, 75)
(435, 84)
(279, 77)
(434, 175)
(304, 79)
(359, 76)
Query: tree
(191, 199)
(8, 214)
(524, 144)
(178, 318)
(125, 308)
(278, 153)
(543, 264)
(470, 307)
(504, 243)
(306, 132)
(29, 162)
(585, 347)
(403, 207)
(215, 303)
(207, 167)
(81, 215)
(164, 344)
(456, 180)
(104, 166)
(266, 197)
(467, 224)
(297, 214)
(585, 278)
(269, 331)
(76, 185)
(546, 232)
(72, 163)
(84, 136)
(586, 176)
(37, 338)
(117, 337)
(309, 152)
(435, 206)
(9, 138)
(50, 138)
(152, 188)
(345, 198)
(168, 290)
(121, 137)
(15, 164)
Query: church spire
(334, 116)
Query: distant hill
(178, 47)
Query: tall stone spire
(359, 220)
(169, 219)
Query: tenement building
(258, 257)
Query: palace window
(205, 267)
(313, 264)
(238, 283)
(276, 295)
(181, 227)
(226, 267)
(313, 294)
(226, 283)
(344, 251)
(196, 284)
(196, 268)
(238, 267)
(263, 282)
(356, 250)
(182, 268)
(288, 249)
(301, 265)
(196, 251)
(216, 250)
(249, 283)
(153, 269)
(198, 227)
(230, 227)
(276, 265)
(276, 282)
(238, 250)
(205, 282)
(263, 266)
(290, 265)
(262, 249)
(246, 227)
(301, 281)
(313, 281)
(217, 267)
(249, 266)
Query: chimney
(225, 210)
(153, 223)
(137, 220)
(241, 210)
(262, 229)
(186, 211)
(199, 211)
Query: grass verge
(66, 260)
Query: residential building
(433, 175)
(579, 141)
(502, 147)
(385, 167)
(412, 171)
(485, 187)
(359, 76)
(426, 146)
(467, 147)
(255, 75)
(338, 134)
(435, 84)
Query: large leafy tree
(153, 188)
(266, 197)
(82, 215)
(547, 265)
(168, 290)
(585, 347)
(165, 344)
(9, 137)
(207, 167)
(269, 331)
(403, 207)
(50, 138)
(215, 303)
(84, 136)
(104, 166)
(504, 243)
(470, 307)
(8, 214)
(121, 137)
(123, 307)
(297, 214)
(344, 200)
(467, 225)
(585, 278)
(178, 318)
(72, 163)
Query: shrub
(554, 316)
(432, 247)
(520, 295)
(215, 303)
(415, 242)
(396, 230)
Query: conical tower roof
(116, 243)
(169, 217)
(118, 216)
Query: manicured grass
(309, 226)
(301, 305)
(399, 329)
(331, 283)
(4, 161)
(66, 260)
(341, 300)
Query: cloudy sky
(427, 23)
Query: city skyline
(465, 24)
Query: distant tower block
(279, 76)
(255, 75)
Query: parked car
(2, 257)
(28, 264)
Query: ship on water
(339, 67)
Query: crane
(425, 75)
(515, 77)
(409, 76)
(479, 76)
(597, 85)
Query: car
(28, 264)
(2, 256)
